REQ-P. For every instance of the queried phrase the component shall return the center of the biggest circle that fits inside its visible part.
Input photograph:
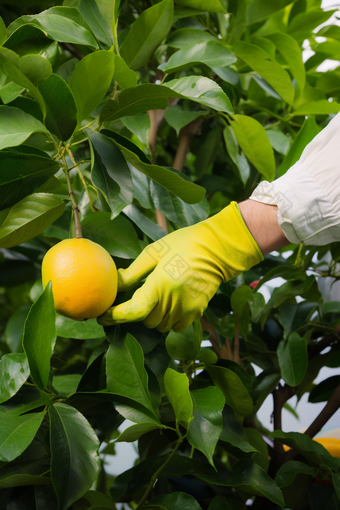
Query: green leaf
(304, 23)
(176, 209)
(261, 62)
(260, 9)
(256, 440)
(253, 140)
(290, 50)
(146, 34)
(135, 100)
(184, 345)
(311, 450)
(14, 328)
(250, 478)
(139, 125)
(66, 384)
(240, 298)
(117, 236)
(233, 389)
(149, 96)
(233, 432)
(207, 355)
(99, 24)
(286, 272)
(37, 46)
(150, 228)
(174, 501)
(177, 390)
(188, 36)
(68, 328)
(203, 5)
(40, 336)
(25, 400)
(279, 141)
(91, 80)
(9, 91)
(3, 32)
(209, 52)
(35, 68)
(289, 471)
(16, 126)
(110, 172)
(293, 315)
(170, 179)
(293, 359)
(126, 374)
(201, 90)
(75, 460)
(330, 307)
(62, 24)
(237, 157)
(61, 110)
(322, 107)
(30, 217)
(16, 433)
(324, 390)
(124, 76)
(206, 427)
(232, 502)
(21, 480)
(134, 432)
(10, 66)
(177, 118)
(98, 498)
(14, 371)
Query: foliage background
(158, 114)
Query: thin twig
(94, 209)
(155, 475)
(72, 50)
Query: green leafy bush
(157, 124)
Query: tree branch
(185, 138)
(72, 50)
(327, 412)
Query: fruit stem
(77, 225)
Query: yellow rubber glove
(187, 267)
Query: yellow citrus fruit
(84, 278)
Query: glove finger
(166, 323)
(185, 322)
(154, 317)
(136, 309)
(143, 265)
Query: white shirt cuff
(308, 195)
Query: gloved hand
(187, 267)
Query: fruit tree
(125, 121)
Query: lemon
(84, 278)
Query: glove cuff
(238, 249)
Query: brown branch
(236, 353)
(221, 353)
(185, 138)
(72, 50)
(317, 348)
(280, 397)
(327, 412)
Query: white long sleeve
(308, 195)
